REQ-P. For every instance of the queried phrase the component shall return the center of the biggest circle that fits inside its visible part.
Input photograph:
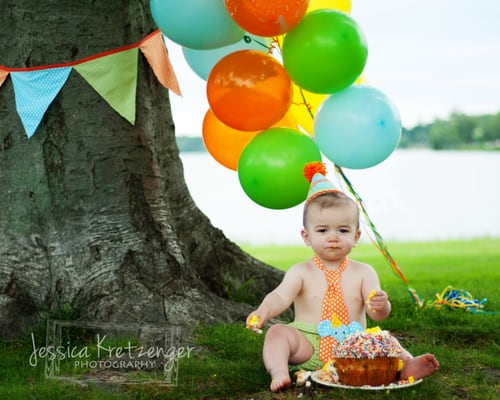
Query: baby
(328, 286)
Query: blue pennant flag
(35, 91)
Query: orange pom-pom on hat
(315, 173)
(312, 168)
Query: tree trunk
(96, 220)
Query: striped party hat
(315, 173)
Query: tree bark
(96, 221)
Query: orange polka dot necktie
(333, 305)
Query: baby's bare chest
(315, 287)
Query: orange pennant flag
(3, 76)
(154, 50)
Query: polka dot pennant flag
(35, 91)
(114, 77)
(155, 52)
(3, 76)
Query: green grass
(228, 365)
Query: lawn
(227, 362)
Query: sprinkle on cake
(368, 345)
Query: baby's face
(332, 232)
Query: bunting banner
(112, 74)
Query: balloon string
(275, 44)
(249, 39)
(306, 103)
(379, 241)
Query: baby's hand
(376, 300)
(253, 323)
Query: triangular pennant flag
(35, 91)
(114, 77)
(153, 48)
(3, 76)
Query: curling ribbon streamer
(113, 74)
(459, 298)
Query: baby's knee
(278, 330)
(283, 332)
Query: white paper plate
(392, 386)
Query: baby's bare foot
(419, 367)
(280, 380)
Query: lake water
(414, 195)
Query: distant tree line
(459, 131)
(189, 144)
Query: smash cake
(367, 358)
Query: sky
(430, 57)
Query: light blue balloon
(198, 24)
(202, 61)
(358, 127)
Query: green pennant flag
(114, 77)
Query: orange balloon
(249, 90)
(224, 143)
(267, 18)
(342, 5)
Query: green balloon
(270, 167)
(326, 52)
